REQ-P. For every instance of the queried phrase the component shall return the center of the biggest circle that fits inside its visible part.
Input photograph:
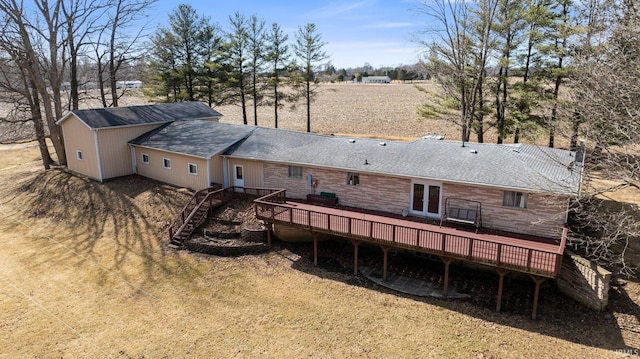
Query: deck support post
(538, 281)
(447, 262)
(269, 230)
(385, 251)
(355, 255)
(502, 273)
(315, 249)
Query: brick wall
(375, 192)
(584, 281)
(545, 214)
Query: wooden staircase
(195, 213)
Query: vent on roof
(473, 151)
(352, 141)
(433, 137)
(382, 143)
(163, 131)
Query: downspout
(225, 172)
(95, 137)
(209, 172)
(134, 164)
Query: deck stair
(195, 213)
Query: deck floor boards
(528, 254)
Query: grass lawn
(85, 273)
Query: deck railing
(439, 241)
(208, 196)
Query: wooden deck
(532, 255)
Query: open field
(86, 274)
(381, 110)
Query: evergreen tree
(277, 56)
(237, 55)
(308, 49)
(256, 42)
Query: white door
(425, 199)
(238, 175)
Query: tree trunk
(36, 118)
(308, 106)
(275, 96)
(243, 100)
(255, 98)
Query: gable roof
(143, 115)
(518, 167)
(195, 138)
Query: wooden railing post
(499, 253)
(444, 236)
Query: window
(295, 171)
(166, 163)
(514, 199)
(79, 155)
(353, 179)
(145, 158)
(193, 169)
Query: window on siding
(166, 163)
(514, 199)
(145, 158)
(295, 171)
(79, 155)
(353, 179)
(193, 169)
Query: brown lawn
(86, 273)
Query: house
(376, 80)
(503, 206)
(136, 84)
(96, 140)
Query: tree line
(45, 44)
(248, 63)
(50, 50)
(531, 68)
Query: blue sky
(356, 31)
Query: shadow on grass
(127, 215)
(558, 315)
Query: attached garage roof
(142, 115)
(520, 166)
(195, 138)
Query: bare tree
(44, 68)
(81, 17)
(458, 56)
(607, 97)
(122, 47)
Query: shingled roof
(195, 138)
(142, 115)
(520, 167)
